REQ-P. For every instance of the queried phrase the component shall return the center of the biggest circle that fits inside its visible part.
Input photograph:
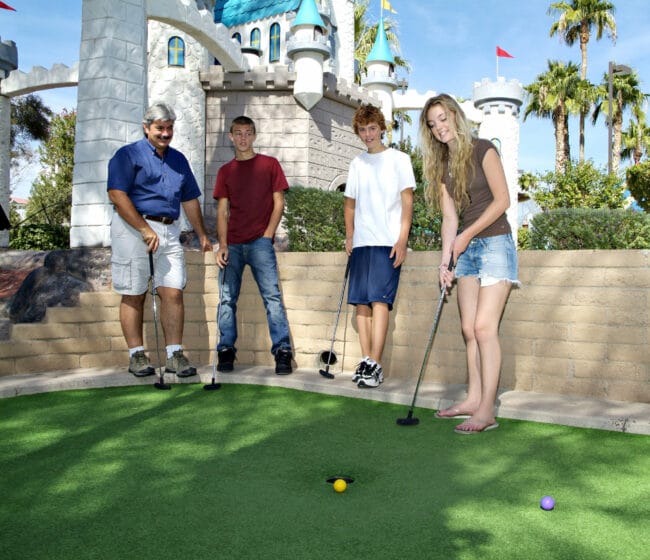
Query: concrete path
(555, 409)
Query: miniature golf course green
(135, 473)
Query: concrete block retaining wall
(578, 326)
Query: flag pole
(381, 9)
(497, 57)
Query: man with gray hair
(148, 181)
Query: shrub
(314, 221)
(638, 181)
(580, 185)
(584, 228)
(40, 237)
(523, 238)
(425, 229)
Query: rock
(10, 281)
(42, 289)
(63, 276)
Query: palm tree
(550, 96)
(585, 96)
(576, 19)
(365, 34)
(626, 93)
(635, 140)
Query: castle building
(499, 102)
(287, 64)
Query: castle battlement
(500, 96)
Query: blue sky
(450, 45)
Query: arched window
(237, 37)
(274, 43)
(256, 37)
(176, 52)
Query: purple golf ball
(547, 503)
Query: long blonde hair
(434, 153)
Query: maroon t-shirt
(249, 186)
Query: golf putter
(410, 420)
(214, 386)
(160, 384)
(329, 358)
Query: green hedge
(584, 228)
(426, 226)
(523, 238)
(39, 237)
(314, 221)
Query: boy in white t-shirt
(378, 211)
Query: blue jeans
(260, 256)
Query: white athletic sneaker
(358, 373)
(373, 376)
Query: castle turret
(380, 76)
(308, 48)
(8, 62)
(500, 102)
(8, 58)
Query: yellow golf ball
(340, 485)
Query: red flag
(6, 6)
(501, 52)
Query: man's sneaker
(139, 365)
(226, 359)
(283, 361)
(372, 377)
(358, 373)
(180, 365)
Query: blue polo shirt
(155, 185)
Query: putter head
(212, 386)
(162, 386)
(408, 421)
(325, 373)
(328, 358)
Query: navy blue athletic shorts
(372, 276)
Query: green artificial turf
(241, 473)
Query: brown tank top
(479, 194)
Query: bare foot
(476, 426)
(452, 412)
(463, 409)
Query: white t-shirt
(375, 182)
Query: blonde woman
(467, 183)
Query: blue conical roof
(381, 49)
(236, 12)
(308, 15)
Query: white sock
(136, 349)
(173, 348)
